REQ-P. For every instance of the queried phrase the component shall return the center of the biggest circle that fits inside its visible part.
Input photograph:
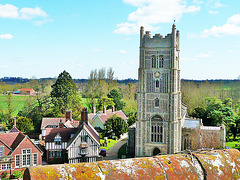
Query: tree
(63, 90)
(24, 124)
(116, 96)
(132, 118)
(116, 125)
(105, 101)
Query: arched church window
(161, 61)
(154, 62)
(157, 83)
(157, 129)
(156, 102)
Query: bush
(4, 174)
(17, 174)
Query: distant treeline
(13, 80)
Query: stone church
(162, 126)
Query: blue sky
(41, 38)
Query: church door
(156, 151)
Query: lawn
(17, 102)
(232, 144)
(111, 142)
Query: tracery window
(161, 61)
(156, 102)
(157, 129)
(157, 83)
(154, 65)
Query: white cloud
(226, 29)
(213, 12)
(203, 55)
(235, 19)
(122, 51)
(8, 11)
(3, 66)
(214, 3)
(97, 50)
(30, 13)
(197, 57)
(6, 36)
(41, 22)
(230, 28)
(11, 11)
(192, 35)
(152, 12)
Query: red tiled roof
(26, 89)
(56, 121)
(92, 132)
(12, 139)
(109, 113)
(65, 133)
(51, 121)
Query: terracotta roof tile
(12, 139)
(109, 113)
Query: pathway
(113, 151)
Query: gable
(84, 130)
(26, 143)
(4, 149)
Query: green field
(17, 102)
(111, 142)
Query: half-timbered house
(84, 145)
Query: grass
(17, 102)
(111, 142)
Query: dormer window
(58, 139)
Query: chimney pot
(14, 122)
(84, 116)
(94, 110)
(104, 110)
(68, 115)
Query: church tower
(159, 107)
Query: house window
(5, 167)
(26, 157)
(17, 161)
(58, 140)
(1, 151)
(157, 129)
(35, 159)
(58, 154)
(51, 154)
(84, 138)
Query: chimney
(104, 110)
(94, 110)
(113, 108)
(84, 116)
(68, 115)
(61, 125)
(14, 123)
